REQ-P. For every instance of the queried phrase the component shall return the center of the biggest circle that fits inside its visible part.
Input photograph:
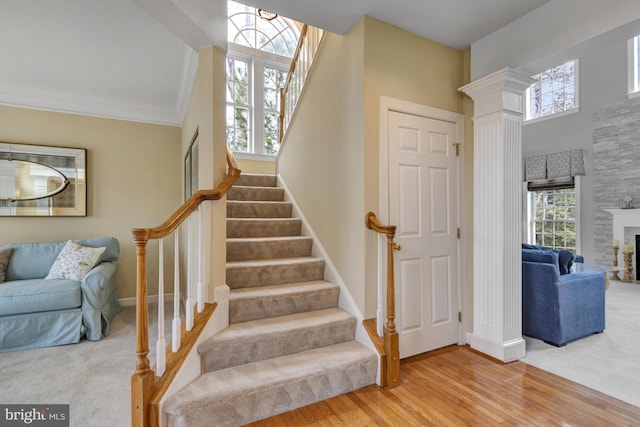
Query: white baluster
(161, 344)
(200, 285)
(190, 302)
(175, 332)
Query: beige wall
(134, 179)
(256, 166)
(404, 66)
(322, 159)
(331, 153)
(206, 115)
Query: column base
(507, 351)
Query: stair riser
(263, 228)
(256, 180)
(243, 277)
(263, 402)
(242, 310)
(229, 353)
(256, 194)
(242, 251)
(258, 210)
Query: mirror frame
(70, 162)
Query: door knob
(397, 247)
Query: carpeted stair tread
(240, 249)
(278, 300)
(275, 194)
(243, 274)
(247, 393)
(255, 340)
(263, 227)
(253, 209)
(256, 180)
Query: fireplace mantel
(624, 218)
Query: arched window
(261, 45)
(261, 30)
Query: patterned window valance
(553, 166)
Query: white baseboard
(151, 299)
(507, 351)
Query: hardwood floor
(456, 387)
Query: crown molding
(86, 106)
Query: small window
(634, 65)
(553, 213)
(554, 91)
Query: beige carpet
(93, 377)
(608, 362)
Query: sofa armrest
(95, 283)
(584, 282)
(99, 302)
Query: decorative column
(497, 210)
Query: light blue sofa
(35, 312)
(558, 308)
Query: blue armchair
(559, 308)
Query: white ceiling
(135, 59)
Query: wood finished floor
(456, 387)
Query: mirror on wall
(38, 180)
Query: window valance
(553, 166)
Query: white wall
(570, 32)
(548, 30)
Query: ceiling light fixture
(265, 14)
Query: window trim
(566, 112)
(257, 61)
(529, 214)
(633, 67)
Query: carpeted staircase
(288, 343)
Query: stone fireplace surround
(616, 173)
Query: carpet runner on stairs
(288, 344)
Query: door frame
(387, 105)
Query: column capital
(501, 90)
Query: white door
(423, 203)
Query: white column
(497, 258)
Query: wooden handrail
(296, 56)
(391, 338)
(143, 381)
(284, 89)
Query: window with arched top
(261, 30)
(261, 45)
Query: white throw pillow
(74, 261)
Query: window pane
(553, 91)
(554, 218)
(247, 28)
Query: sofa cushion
(537, 255)
(29, 296)
(5, 254)
(31, 260)
(74, 261)
(34, 260)
(111, 245)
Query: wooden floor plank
(455, 386)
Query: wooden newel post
(391, 339)
(142, 379)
